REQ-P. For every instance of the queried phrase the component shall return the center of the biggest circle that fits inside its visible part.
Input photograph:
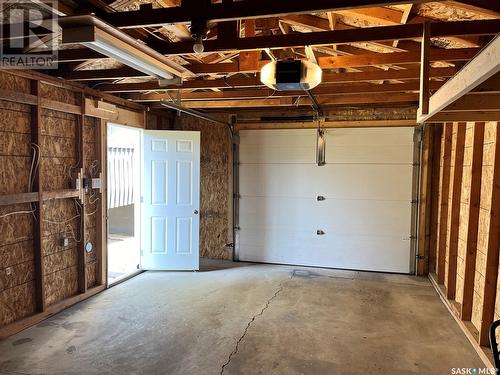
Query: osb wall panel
(59, 94)
(60, 263)
(12, 82)
(490, 138)
(15, 149)
(449, 207)
(16, 264)
(17, 303)
(464, 210)
(58, 147)
(215, 172)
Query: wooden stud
(455, 211)
(36, 138)
(473, 221)
(424, 92)
(443, 206)
(102, 227)
(434, 211)
(424, 201)
(82, 253)
(492, 251)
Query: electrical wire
(17, 213)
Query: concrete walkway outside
(237, 318)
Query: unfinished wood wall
(216, 171)
(17, 290)
(38, 274)
(465, 253)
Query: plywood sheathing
(215, 169)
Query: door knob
(195, 212)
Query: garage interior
(226, 187)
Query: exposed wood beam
(389, 16)
(242, 82)
(330, 90)
(326, 124)
(221, 68)
(369, 59)
(404, 19)
(475, 102)
(466, 116)
(304, 101)
(424, 70)
(485, 65)
(222, 12)
(325, 38)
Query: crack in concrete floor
(249, 324)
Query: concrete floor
(248, 319)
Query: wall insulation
(464, 257)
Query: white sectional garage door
(367, 189)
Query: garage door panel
(364, 215)
(367, 186)
(368, 154)
(342, 181)
(370, 137)
(349, 252)
(297, 146)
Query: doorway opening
(124, 171)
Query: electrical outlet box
(8, 271)
(77, 184)
(64, 242)
(86, 183)
(96, 183)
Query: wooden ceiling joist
(263, 93)
(305, 101)
(325, 38)
(242, 82)
(228, 11)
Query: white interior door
(352, 213)
(171, 198)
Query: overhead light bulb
(199, 32)
(198, 45)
